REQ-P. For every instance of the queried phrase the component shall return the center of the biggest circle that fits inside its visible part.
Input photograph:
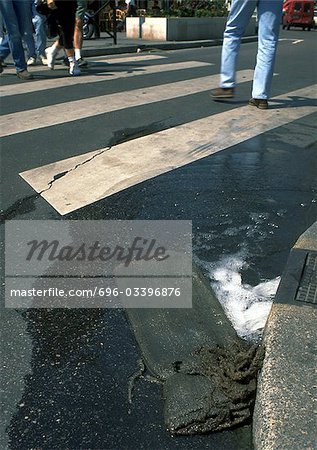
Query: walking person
(269, 18)
(79, 32)
(131, 8)
(40, 26)
(2, 28)
(37, 43)
(4, 51)
(3, 40)
(64, 12)
(18, 22)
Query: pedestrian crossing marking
(91, 63)
(127, 59)
(91, 177)
(106, 75)
(60, 113)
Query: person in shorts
(64, 13)
(78, 34)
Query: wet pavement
(66, 372)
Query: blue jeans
(18, 21)
(269, 19)
(4, 47)
(39, 22)
(1, 27)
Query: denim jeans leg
(39, 22)
(269, 16)
(240, 14)
(2, 33)
(26, 26)
(12, 12)
(4, 47)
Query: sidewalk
(285, 412)
(105, 46)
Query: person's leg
(24, 14)
(51, 53)
(78, 34)
(65, 16)
(39, 22)
(66, 19)
(4, 47)
(4, 51)
(1, 28)
(240, 14)
(269, 16)
(14, 33)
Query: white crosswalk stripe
(127, 59)
(66, 112)
(105, 75)
(96, 62)
(109, 170)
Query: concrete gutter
(101, 47)
(285, 416)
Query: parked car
(298, 13)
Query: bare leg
(70, 52)
(78, 34)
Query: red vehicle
(298, 13)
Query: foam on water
(246, 306)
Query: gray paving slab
(286, 406)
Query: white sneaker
(51, 53)
(31, 61)
(74, 69)
(43, 60)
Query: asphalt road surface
(138, 137)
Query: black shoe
(259, 103)
(65, 61)
(220, 93)
(1, 66)
(82, 62)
